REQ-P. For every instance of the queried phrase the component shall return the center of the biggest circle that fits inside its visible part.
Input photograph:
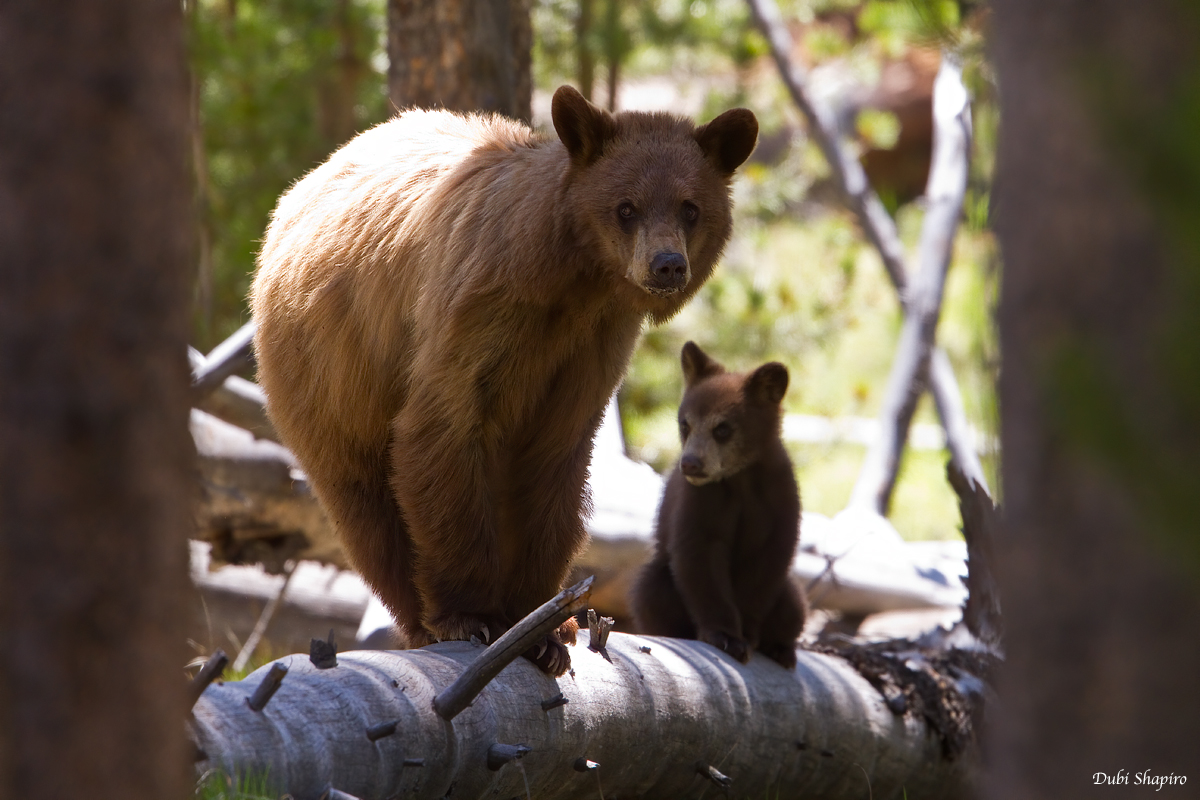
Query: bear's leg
(657, 606)
(373, 532)
(542, 531)
(783, 624)
(440, 483)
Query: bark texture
(655, 714)
(464, 55)
(1101, 430)
(95, 461)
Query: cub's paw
(783, 653)
(730, 644)
(463, 627)
(550, 654)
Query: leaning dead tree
(919, 362)
(635, 717)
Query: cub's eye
(684, 429)
(722, 431)
(626, 212)
(691, 212)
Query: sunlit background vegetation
(282, 83)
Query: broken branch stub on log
(981, 526)
(515, 641)
(654, 715)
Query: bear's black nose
(692, 466)
(669, 270)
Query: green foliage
(219, 785)
(279, 85)
(676, 37)
(879, 129)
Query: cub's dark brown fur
(729, 520)
(444, 308)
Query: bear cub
(729, 520)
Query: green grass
(217, 785)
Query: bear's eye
(722, 431)
(691, 212)
(684, 429)
(626, 212)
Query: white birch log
(655, 715)
(231, 355)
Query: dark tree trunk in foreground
(95, 257)
(465, 55)
(1097, 212)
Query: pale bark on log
(654, 714)
(226, 396)
(231, 355)
(255, 507)
(877, 225)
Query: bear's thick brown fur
(444, 308)
(729, 520)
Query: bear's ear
(582, 127)
(767, 384)
(697, 365)
(729, 139)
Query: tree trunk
(1097, 202)
(95, 265)
(339, 90)
(585, 57)
(654, 714)
(461, 55)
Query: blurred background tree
(277, 86)
(281, 85)
(465, 55)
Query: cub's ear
(697, 365)
(582, 127)
(768, 383)
(729, 139)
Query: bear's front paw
(782, 653)
(730, 644)
(550, 654)
(463, 627)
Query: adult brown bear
(444, 308)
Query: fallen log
(233, 354)
(255, 505)
(651, 717)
